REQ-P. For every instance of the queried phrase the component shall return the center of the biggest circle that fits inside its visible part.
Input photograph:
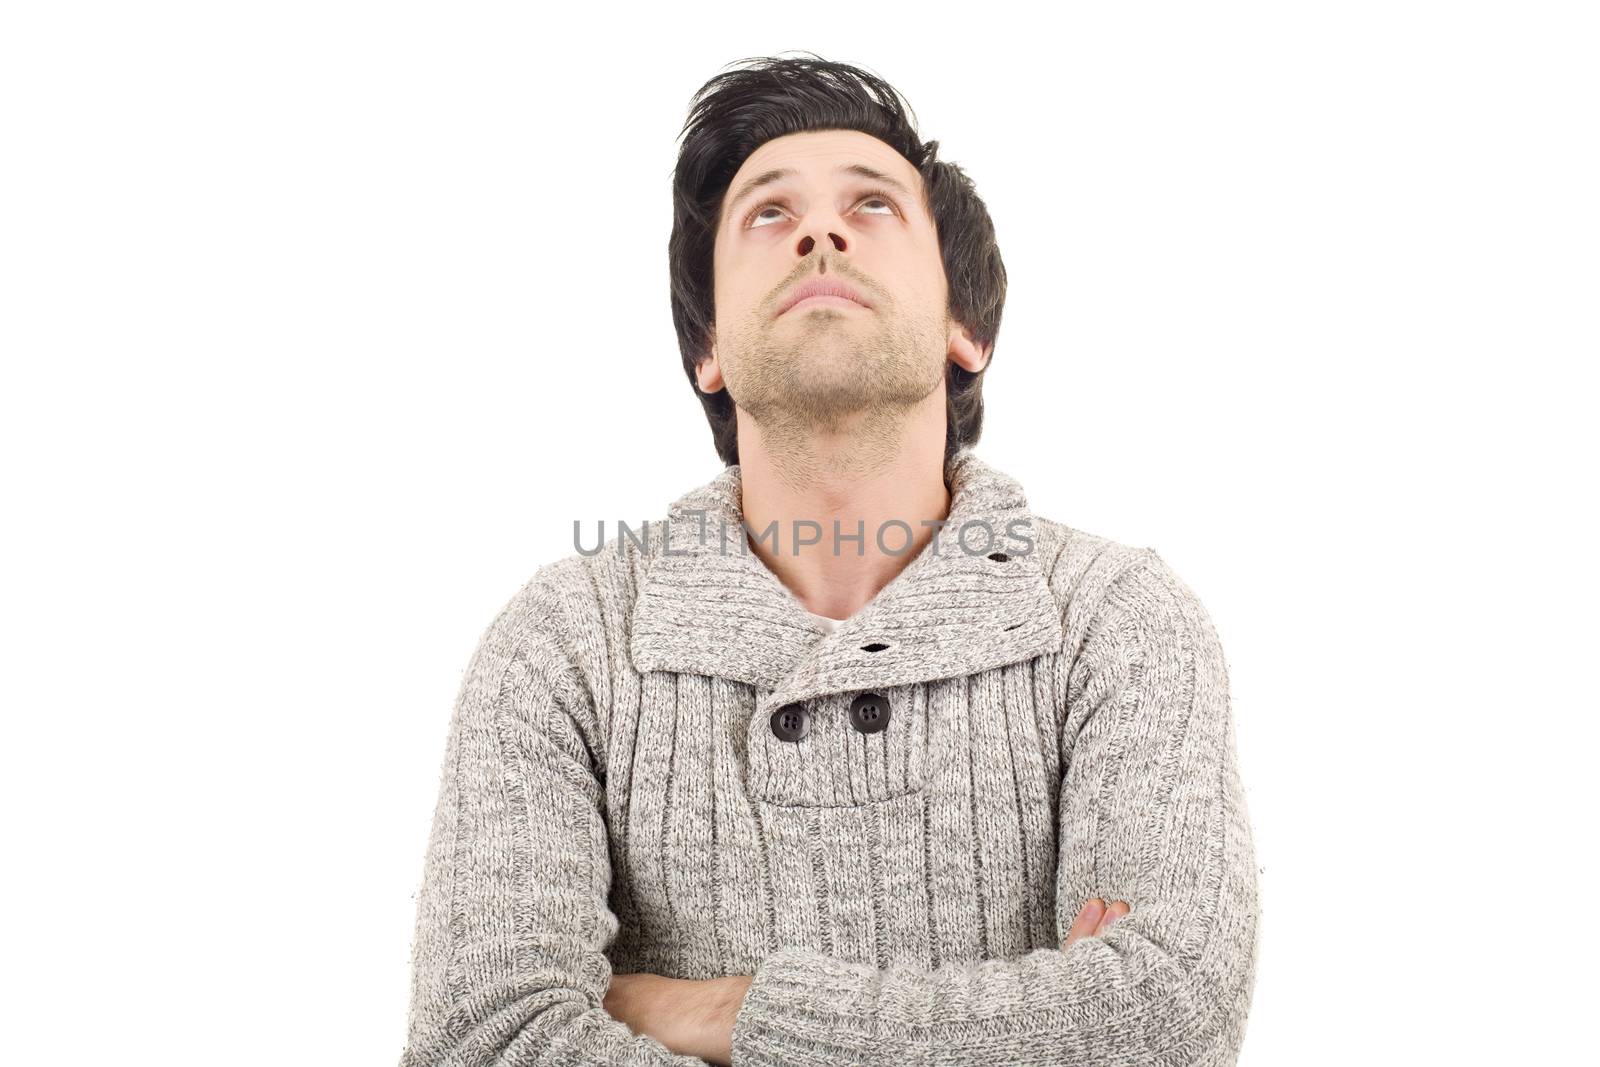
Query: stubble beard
(826, 375)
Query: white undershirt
(826, 623)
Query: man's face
(828, 364)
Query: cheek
(724, 275)
(919, 297)
(917, 281)
(935, 292)
(733, 290)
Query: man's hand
(1094, 917)
(692, 1018)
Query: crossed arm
(695, 1017)
(509, 963)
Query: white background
(321, 322)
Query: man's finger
(1117, 910)
(1084, 924)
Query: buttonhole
(876, 646)
(1013, 626)
(999, 557)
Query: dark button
(791, 722)
(869, 712)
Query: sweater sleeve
(1151, 811)
(508, 961)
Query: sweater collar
(710, 606)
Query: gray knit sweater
(658, 762)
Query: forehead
(817, 152)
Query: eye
(762, 210)
(872, 196)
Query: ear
(964, 351)
(708, 373)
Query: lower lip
(826, 301)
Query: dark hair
(735, 113)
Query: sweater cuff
(805, 1007)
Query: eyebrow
(860, 170)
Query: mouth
(819, 293)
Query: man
(817, 771)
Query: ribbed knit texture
(614, 798)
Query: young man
(853, 760)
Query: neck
(862, 485)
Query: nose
(808, 242)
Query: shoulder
(1093, 577)
(597, 580)
(575, 611)
(531, 631)
(1081, 567)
